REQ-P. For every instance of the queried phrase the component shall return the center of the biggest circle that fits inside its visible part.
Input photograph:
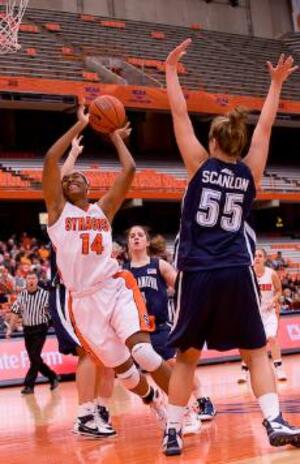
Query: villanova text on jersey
(153, 288)
(147, 282)
(214, 232)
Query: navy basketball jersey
(213, 231)
(67, 340)
(153, 287)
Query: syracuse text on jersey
(86, 223)
(226, 179)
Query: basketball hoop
(11, 14)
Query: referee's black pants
(35, 338)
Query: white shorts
(105, 316)
(270, 322)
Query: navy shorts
(218, 307)
(67, 340)
(159, 341)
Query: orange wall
(140, 97)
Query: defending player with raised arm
(105, 306)
(217, 299)
(192, 151)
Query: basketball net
(11, 14)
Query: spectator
(278, 261)
(7, 284)
(43, 252)
(20, 281)
(25, 241)
(295, 306)
(286, 299)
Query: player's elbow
(131, 168)
(49, 156)
(262, 132)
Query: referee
(32, 305)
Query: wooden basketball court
(37, 428)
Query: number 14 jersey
(213, 231)
(83, 244)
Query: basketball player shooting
(105, 305)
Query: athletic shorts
(159, 341)
(218, 307)
(270, 323)
(106, 315)
(66, 337)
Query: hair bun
(238, 116)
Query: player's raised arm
(259, 148)
(71, 159)
(52, 188)
(192, 152)
(113, 199)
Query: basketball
(107, 114)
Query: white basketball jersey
(83, 244)
(266, 286)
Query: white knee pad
(146, 357)
(130, 378)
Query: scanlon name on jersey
(224, 180)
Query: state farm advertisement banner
(14, 361)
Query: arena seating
(211, 65)
(290, 250)
(277, 179)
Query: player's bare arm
(113, 199)
(168, 272)
(192, 151)
(278, 291)
(52, 188)
(71, 159)
(259, 148)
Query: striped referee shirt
(33, 307)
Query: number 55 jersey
(214, 232)
(83, 244)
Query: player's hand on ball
(283, 69)
(82, 114)
(124, 132)
(176, 54)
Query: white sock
(175, 417)
(269, 405)
(86, 408)
(102, 401)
